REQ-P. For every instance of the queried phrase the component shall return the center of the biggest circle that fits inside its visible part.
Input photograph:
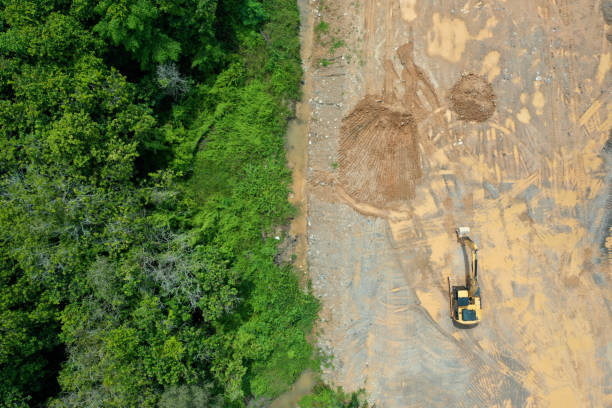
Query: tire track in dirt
(369, 25)
(528, 187)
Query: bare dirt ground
(401, 152)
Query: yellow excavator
(465, 306)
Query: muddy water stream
(302, 387)
(297, 157)
(297, 140)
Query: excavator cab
(465, 306)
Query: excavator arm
(462, 236)
(472, 245)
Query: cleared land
(404, 145)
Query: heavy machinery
(465, 306)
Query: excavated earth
(429, 115)
(378, 154)
(472, 98)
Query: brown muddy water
(302, 387)
(297, 141)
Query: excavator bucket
(463, 232)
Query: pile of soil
(472, 98)
(378, 159)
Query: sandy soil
(532, 179)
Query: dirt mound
(378, 155)
(606, 9)
(472, 98)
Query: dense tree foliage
(141, 173)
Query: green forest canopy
(142, 170)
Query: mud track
(433, 115)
